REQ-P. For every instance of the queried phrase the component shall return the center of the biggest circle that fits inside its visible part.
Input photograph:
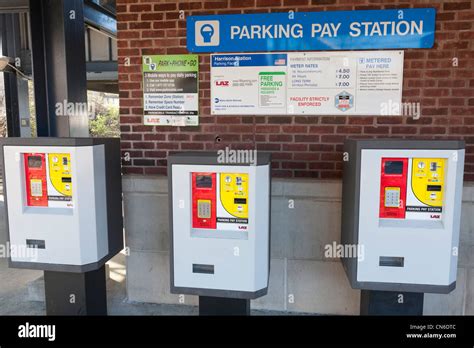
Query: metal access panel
(63, 202)
(220, 225)
(401, 213)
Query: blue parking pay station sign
(307, 31)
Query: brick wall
(302, 146)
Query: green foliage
(106, 124)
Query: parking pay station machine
(220, 230)
(64, 215)
(401, 208)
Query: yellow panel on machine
(234, 193)
(427, 180)
(60, 172)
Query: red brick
(215, 5)
(293, 3)
(321, 129)
(349, 129)
(269, 147)
(153, 33)
(456, 6)
(457, 25)
(302, 146)
(140, 8)
(241, 3)
(321, 165)
(306, 138)
(323, 2)
(155, 137)
(151, 16)
(361, 120)
(128, 34)
(294, 165)
(164, 25)
(267, 129)
(164, 7)
(143, 145)
(306, 156)
(192, 146)
(268, 3)
(280, 138)
(389, 120)
(432, 130)
(403, 130)
(294, 129)
(376, 130)
(333, 120)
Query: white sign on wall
(309, 83)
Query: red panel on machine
(35, 177)
(393, 188)
(204, 200)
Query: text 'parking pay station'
(64, 216)
(220, 230)
(402, 208)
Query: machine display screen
(34, 161)
(204, 181)
(393, 167)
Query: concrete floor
(21, 293)
(22, 290)
(17, 286)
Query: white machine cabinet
(220, 225)
(401, 212)
(63, 202)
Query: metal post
(76, 293)
(10, 46)
(59, 67)
(391, 303)
(223, 306)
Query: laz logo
(223, 83)
(434, 216)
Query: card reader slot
(200, 268)
(240, 201)
(391, 261)
(36, 243)
(433, 188)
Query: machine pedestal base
(223, 306)
(75, 293)
(391, 303)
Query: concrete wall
(301, 278)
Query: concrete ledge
(148, 279)
(321, 287)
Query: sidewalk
(22, 290)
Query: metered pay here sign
(220, 225)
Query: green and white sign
(171, 90)
(272, 89)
